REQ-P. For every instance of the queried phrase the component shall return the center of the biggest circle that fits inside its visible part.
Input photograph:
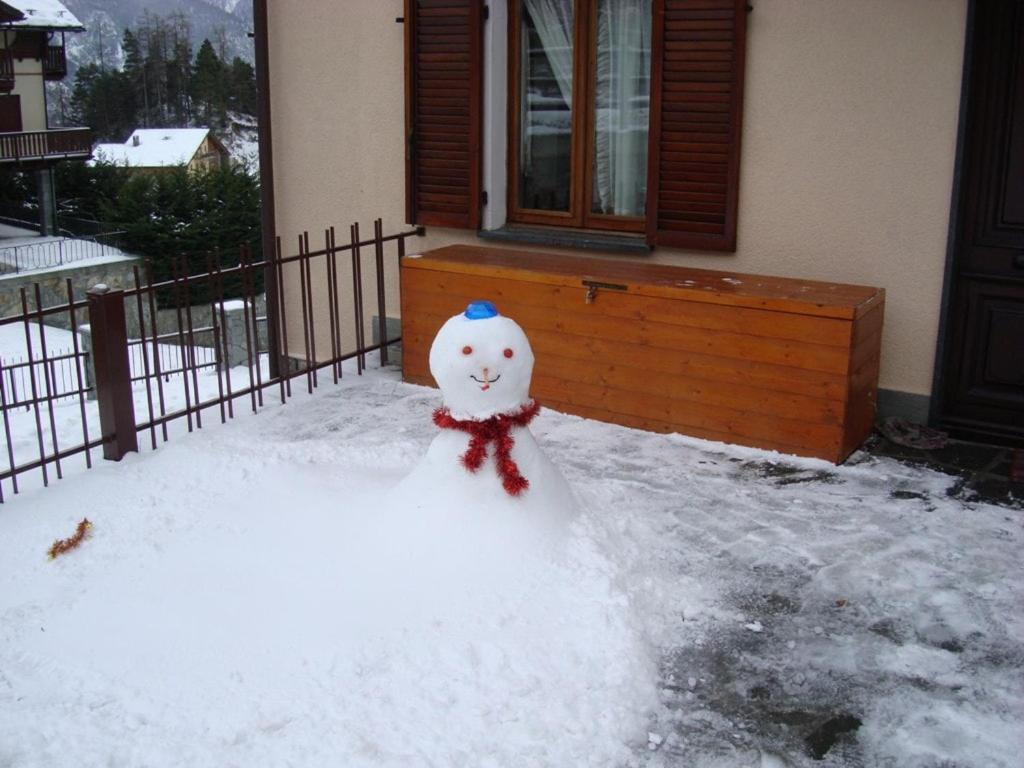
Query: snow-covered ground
(240, 602)
(241, 139)
(27, 251)
(176, 391)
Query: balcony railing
(55, 63)
(6, 71)
(45, 145)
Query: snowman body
(483, 363)
(459, 586)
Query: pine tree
(103, 101)
(179, 68)
(153, 34)
(209, 86)
(205, 215)
(242, 85)
(81, 94)
(135, 72)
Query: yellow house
(32, 51)
(154, 149)
(876, 143)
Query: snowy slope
(105, 23)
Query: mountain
(226, 23)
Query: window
(622, 115)
(10, 114)
(579, 91)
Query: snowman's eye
(508, 352)
(467, 350)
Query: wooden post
(113, 372)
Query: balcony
(55, 63)
(6, 71)
(35, 146)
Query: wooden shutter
(443, 112)
(697, 62)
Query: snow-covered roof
(44, 14)
(153, 147)
(9, 13)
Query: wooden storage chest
(789, 365)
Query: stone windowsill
(585, 240)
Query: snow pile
(303, 627)
(300, 616)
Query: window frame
(693, 176)
(582, 126)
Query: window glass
(545, 98)
(622, 86)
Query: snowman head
(482, 362)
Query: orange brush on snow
(64, 545)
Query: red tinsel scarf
(495, 429)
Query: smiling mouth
(486, 382)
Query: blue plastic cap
(481, 310)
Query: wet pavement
(818, 670)
(987, 473)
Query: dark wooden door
(10, 114)
(983, 369)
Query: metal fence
(57, 377)
(105, 390)
(64, 368)
(56, 252)
(170, 358)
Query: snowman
(485, 455)
(476, 590)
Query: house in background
(32, 51)
(156, 149)
(873, 143)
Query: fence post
(113, 380)
(85, 336)
(236, 349)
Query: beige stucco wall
(849, 133)
(28, 84)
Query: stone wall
(116, 275)
(53, 286)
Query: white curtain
(622, 103)
(553, 21)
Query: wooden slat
(660, 363)
(697, 62)
(655, 425)
(671, 338)
(459, 288)
(444, 108)
(689, 417)
(645, 384)
(683, 414)
(795, 382)
(861, 406)
(646, 422)
(777, 378)
(802, 297)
